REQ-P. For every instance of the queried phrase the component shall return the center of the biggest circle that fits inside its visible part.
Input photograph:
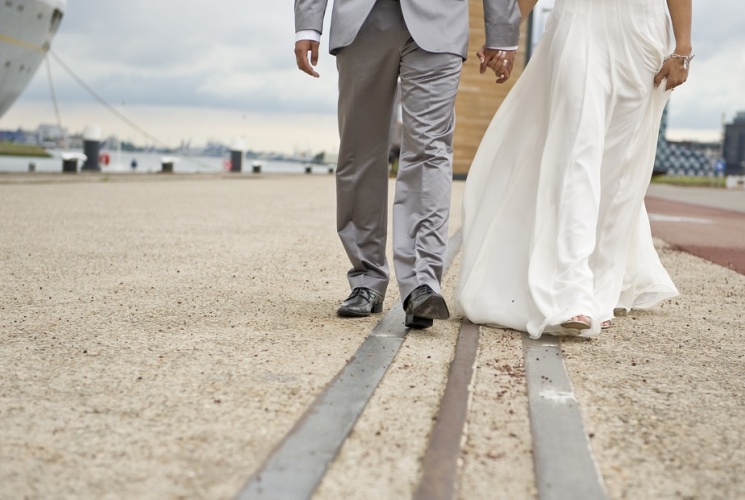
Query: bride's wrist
(685, 59)
(683, 49)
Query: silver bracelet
(686, 59)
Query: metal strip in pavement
(564, 463)
(297, 465)
(441, 460)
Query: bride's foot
(579, 322)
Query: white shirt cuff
(503, 48)
(312, 35)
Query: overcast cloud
(190, 69)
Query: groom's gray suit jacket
(435, 25)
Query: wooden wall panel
(478, 96)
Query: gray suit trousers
(369, 69)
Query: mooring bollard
(236, 161)
(256, 167)
(31, 166)
(91, 148)
(237, 150)
(331, 170)
(167, 163)
(70, 162)
(308, 169)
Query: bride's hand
(675, 70)
(500, 61)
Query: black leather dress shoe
(424, 305)
(360, 303)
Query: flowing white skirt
(554, 220)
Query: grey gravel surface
(160, 335)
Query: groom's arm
(308, 28)
(502, 23)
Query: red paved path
(711, 233)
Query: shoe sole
(418, 322)
(576, 325)
(432, 308)
(348, 313)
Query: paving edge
(441, 459)
(565, 466)
(297, 465)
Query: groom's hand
(302, 47)
(501, 61)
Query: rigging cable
(115, 111)
(54, 101)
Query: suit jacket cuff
(502, 48)
(308, 35)
(502, 35)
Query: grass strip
(687, 180)
(14, 149)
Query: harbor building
(734, 145)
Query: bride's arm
(681, 15)
(675, 67)
(526, 6)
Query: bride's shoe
(606, 324)
(580, 322)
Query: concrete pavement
(160, 335)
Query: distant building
(734, 145)
(212, 148)
(17, 136)
(50, 135)
(712, 150)
(75, 141)
(676, 159)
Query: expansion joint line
(296, 467)
(440, 474)
(564, 463)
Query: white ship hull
(26, 31)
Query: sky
(196, 71)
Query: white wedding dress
(554, 221)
